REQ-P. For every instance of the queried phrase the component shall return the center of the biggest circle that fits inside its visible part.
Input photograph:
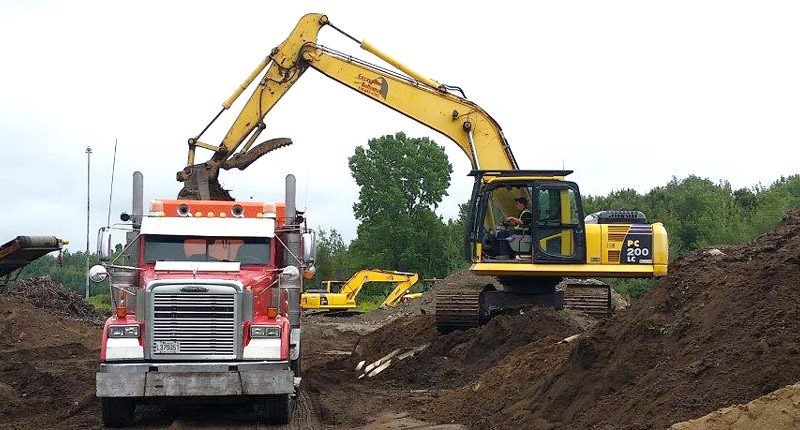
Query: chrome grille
(202, 324)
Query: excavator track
(458, 303)
(457, 310)
(589, 296)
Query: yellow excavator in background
(528, 257)
(342, 295)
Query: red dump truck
(207, 299)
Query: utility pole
(88, 189)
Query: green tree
(456, 230)
(402, 180)
(333, 261)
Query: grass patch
(101, 302)
(635, 288)
(369, 304)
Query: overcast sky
(626, 93)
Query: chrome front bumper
(252, 378)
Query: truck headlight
(123, 331)
(262, 331)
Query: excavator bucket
(203, 185)
(203, 181)
(241, 160)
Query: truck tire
(275, 410)
(117, 411)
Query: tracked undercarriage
(464, 302)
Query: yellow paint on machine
(576, 270)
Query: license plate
(167, 347)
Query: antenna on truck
(111, 191)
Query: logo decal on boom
(377, 87)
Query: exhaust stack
(291, 257)
(137, 210)
(293, 250)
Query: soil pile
(723, 328)
(44, 293)
(428, 383)
(401, 334)
(779, 410)
(47, 366)
(458, 358)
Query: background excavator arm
(400, 290)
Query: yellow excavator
(342, 295)
(527, 255)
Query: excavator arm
(400, 290)
(422, 99)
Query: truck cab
(206, 305)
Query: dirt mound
(47, 366)
(779, 410)
(44, 293)
(431, 383)
(722, 328)
(400, 334)
(458, 358)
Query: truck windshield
(246, 250)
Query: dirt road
(47, 366)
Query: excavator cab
(552, 231)
(557, 240)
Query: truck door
(558, 229)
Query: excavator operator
(522, 222)
(519, 225)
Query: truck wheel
(117, 411)
(275, 410)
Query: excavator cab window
(501, 238)
(558, 225)
(335, 286)
(552, 229)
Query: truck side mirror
(309, 247)
(98, 273)
(290, 273)
(104, 244)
